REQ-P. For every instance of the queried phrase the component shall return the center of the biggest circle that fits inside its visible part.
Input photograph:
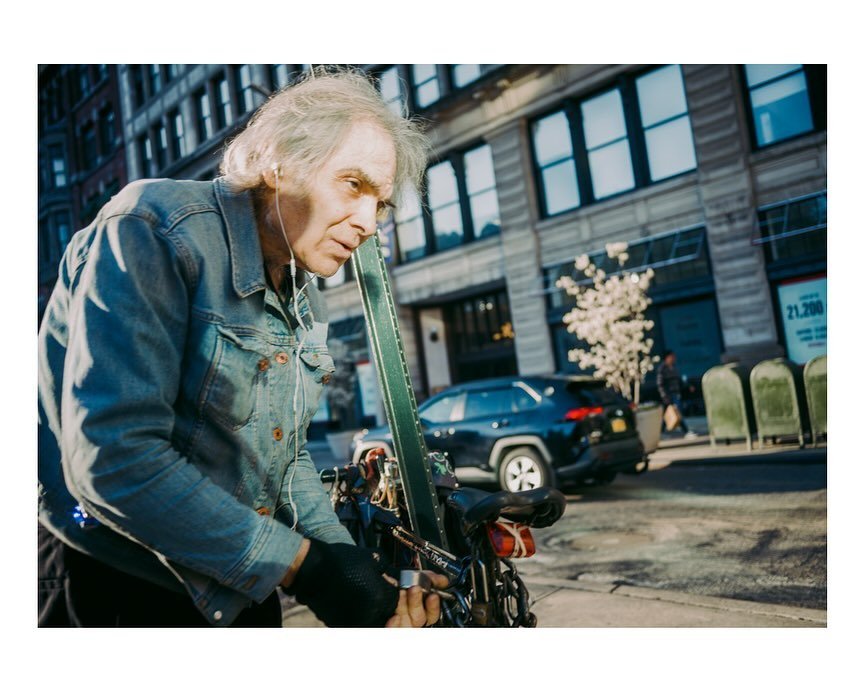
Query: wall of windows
(629, 135)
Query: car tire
(523, 468)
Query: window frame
(52, 158)
(204, 122)
(625, 84)
(456, 159)
(146, 155)
(815, 75)
(178, 146)
(223, 115)
(244, 93)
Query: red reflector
(581, 413)
(632, 405)
(511, 539)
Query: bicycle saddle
(538, 508)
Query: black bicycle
(485, 533)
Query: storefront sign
(804, 310)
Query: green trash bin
(816, 388)
(779, 402)
(728, 404)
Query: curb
(816, 616)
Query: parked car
(526, 432)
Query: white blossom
(609, 317)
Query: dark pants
(77, 590)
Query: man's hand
(342, 584)
(416, 609)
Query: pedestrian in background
(669, 387)
(181, 358)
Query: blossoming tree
(609, 317)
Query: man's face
(342, 203)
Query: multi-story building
(715, 175)
(81, 158)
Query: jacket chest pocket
(316, 371)
(235, 379)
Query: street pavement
(566, 603)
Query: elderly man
(181, 358)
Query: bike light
(511, 539)
(578, 414)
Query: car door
(488, 413)
(437, 419)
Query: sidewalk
(565, 603)
(562, 603)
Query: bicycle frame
(485, 588)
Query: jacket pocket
(319, 365)
(235, 378)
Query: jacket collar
(247, 262)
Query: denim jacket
(175, 389)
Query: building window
(145, 154)
(796, 229)
(55, 102)
(482, 195)
(390, 85)
(631, 136)
(481, 337)
(205, 117)
(245, 97)
(224, 116)
(178, 139)
(107, 130)
(465, 74)
(154, 73)
(607, 145)
(410, 230)
(62, 227)
(136, 76)
(444, 205)
(553, 154)
(426, 88)
(161, 146)
(102, 71)
(781, 104)
(462, 203)
(173, 71)
(665, 122)
(89, 154)
(58, 166)
(83, 81)
(280, 75)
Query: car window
(522, 400)
(593, 394)
(445, 409)
(488, 402)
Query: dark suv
(525, 432)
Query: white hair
(301, 126)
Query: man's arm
(127, 326)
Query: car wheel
(523, 468)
